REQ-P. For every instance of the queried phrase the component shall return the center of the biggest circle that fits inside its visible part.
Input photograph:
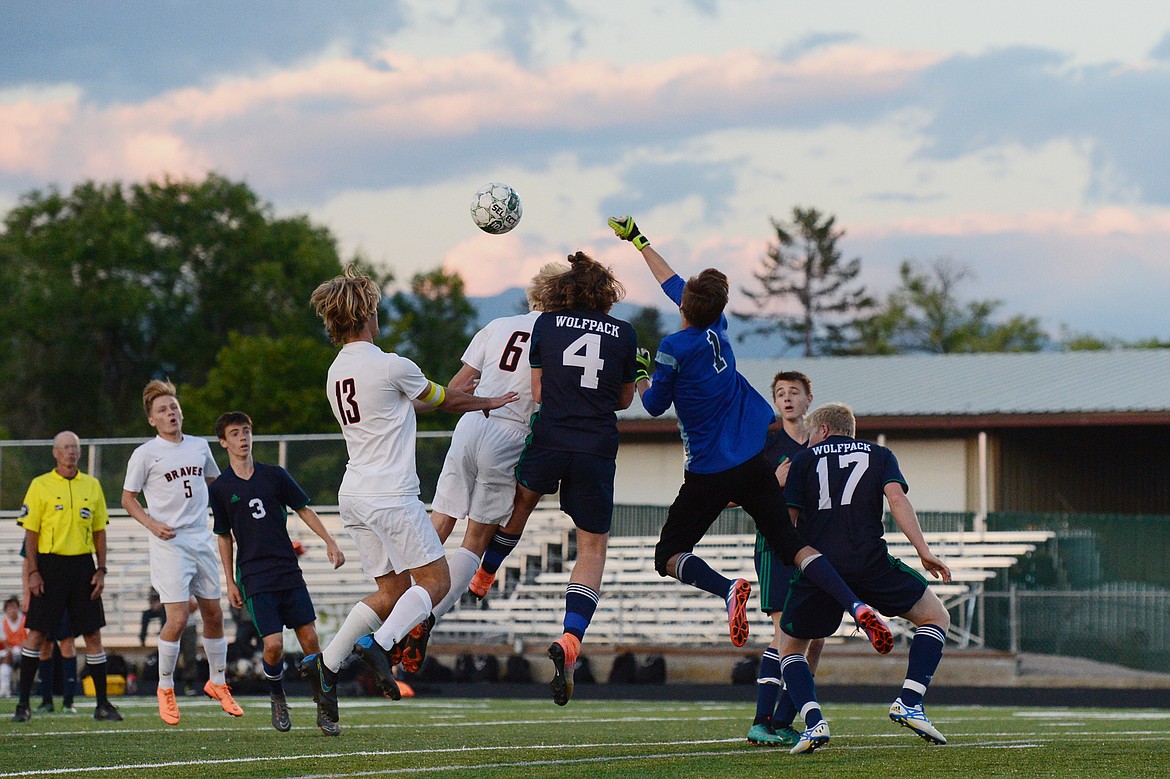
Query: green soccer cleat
(914, 717)
(788, 735)
(761, 735)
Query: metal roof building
(1069, 431)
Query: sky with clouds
(1026, 141)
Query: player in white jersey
(478, 480)
(173, 471)
(374, 395)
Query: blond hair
(838, 417)
(345, 302)
(155, 389)
(547, 271)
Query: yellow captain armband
(435, 395)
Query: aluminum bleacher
(527, 602)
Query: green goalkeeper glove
(645, 366)
(626, 229)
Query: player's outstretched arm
(907, 520)
(314, 523)
(625, 228)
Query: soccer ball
(496, 208)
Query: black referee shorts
(67, 590)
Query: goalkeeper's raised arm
(625, 228)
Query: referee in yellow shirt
(64, 519)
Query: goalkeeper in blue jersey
(723, 422)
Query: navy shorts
(585, 481)
(810, 612)
(272, 612)
(773, 576)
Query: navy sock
(580, 603)
(694, 571)
(925, 653)
(822, 573)
(274, 674)
(767, 687)
(798, 679)
(69, 683)
(500, 547)
(47, 676)
(785, 710)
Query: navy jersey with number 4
(253, 511)
(585, 358)
(839, 487)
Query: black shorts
(810, 612)
(585, 481)
(271, 612)
(773, 575)
(67, 589)
(703, 496)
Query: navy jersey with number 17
(585, 358)
(839, 486)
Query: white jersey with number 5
(370, 392)
(173, 478)
(500, 353)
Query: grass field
(588, 738)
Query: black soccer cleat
(323, 682)
(378, 659)
(107, 712)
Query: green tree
(648, 325)
(432, 325)
(279, 382)
(109, 285)
(924, 314)
(806, 292)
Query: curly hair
(586, 285)
(345, 302)
(704, 298)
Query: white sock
(216, 651)
(463, 564)
(360, 621)
(411, 609)
(168, 658)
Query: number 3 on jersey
(585, 353)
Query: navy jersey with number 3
(839, 487)
(585, 358)
(253, 511)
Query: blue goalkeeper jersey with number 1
(722, 419)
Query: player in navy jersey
(583, 368)
(249, 501)
(772, 726)
(836, 492)
(723, 422)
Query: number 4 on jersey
(585, 353)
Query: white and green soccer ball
(496, 208)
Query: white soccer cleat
(812, 739)
(914, 717)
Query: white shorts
(186, 565)
(478, 478)
(392, 533)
